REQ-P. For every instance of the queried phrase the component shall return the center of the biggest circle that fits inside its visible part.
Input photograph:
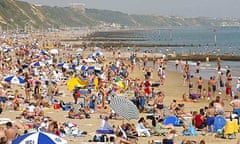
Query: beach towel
(190, 131)
(231, 129)
(172, 120)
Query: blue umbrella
(82, 67)
(14, 79)
(39, 138)
(37, 64)
(43, 52)
(7, 50)
(91, 68)
(98, 53)
(64, 65)
(90, 56)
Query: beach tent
(73, 82)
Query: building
(80, 7)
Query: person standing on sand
(199, 85)
(238, 84)
(211, 111)
(228, 86)
(235, 103)
(221, 83)
(214, 85)
(176, 64)
(158, 103)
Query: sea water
(204, 41)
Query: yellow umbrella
(73, 82)
(95, 81)
(120, 84)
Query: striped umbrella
(14, 79)
(124, 107)
(64, 65)
(39, 138)
(82, 67)
(37, 64)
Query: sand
(173, 89)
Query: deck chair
(125, 135)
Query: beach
(173, 88)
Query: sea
(218, 41)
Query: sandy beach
(173, 89)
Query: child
(209, 93)
(153, 93)
(204, 93)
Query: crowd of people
(97, 85)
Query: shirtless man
(199, 85)
(158, 102)
(10, 132)
(211, 111)
(235, 103)
(2, 135)
(120, 140)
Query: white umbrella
(124, 107)
(39, 138)
(53, 51)
(79, 50)
(37, 64)
(14, 79)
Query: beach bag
(104, 138)
(87, 116)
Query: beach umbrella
(73, 82)
(91, 68)
(97, 48)
(14, 79)
(64, 65)
(37, 64)
(90, 56)
(98, 53)
(79, 50)
(124, 107)
(82, 67)
(7, 50)
(89, 60)
(43, 52)
(53, 51)
(39, 138)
